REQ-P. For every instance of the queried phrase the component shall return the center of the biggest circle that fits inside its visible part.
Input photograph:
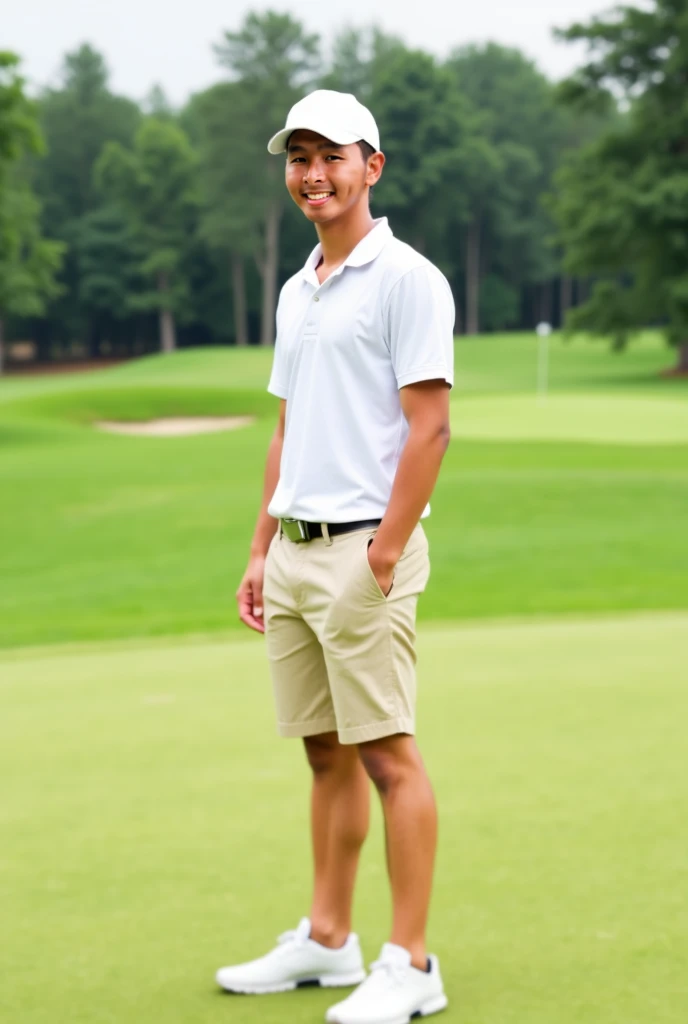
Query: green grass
(158, 827)
(486, 365)
(570, 504)
(154, 826)
(86, 406)
(595, 418)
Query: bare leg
(340, 813)
(396, 767)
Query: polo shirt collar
(368, 249)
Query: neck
(340, 237)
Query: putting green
(600, 419)
(155, 827)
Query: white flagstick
(543, 331)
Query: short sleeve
(420, 324)
(279, 378)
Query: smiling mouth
(317, 198)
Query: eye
(333, 156)
(295, 159)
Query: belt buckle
(304, 533)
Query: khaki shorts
(342, 655)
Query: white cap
(338, 116)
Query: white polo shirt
(382, 320)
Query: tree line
(126, 227)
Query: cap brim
(278, 142)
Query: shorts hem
(300, 730)
(377, 730)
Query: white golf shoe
(393, 993)
(297, 961)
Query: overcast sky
(148, 41)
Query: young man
(363, 366)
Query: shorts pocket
(372, 579)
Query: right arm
(250, 593)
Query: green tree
(19, 132)
(357, 55)
(28, 262)
(509, 231)
(105, 251)
(622, 202)
(428, 134)
(274, 61)
(156, 104)
(155, 184)
(441, 163)
(232, 204)
(77, 119)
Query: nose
(314, 170)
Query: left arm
(426, 408)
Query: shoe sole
(434, 1005)
(324, 981)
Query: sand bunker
(176, 427)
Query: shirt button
(316, 298)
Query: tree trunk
(565, 296)
(682, 364)
(268, 269)
(2, 345)
(168, 334)
(239, 296)
(546, 302)
(473, 278)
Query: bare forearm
(266, 526)
(414, 483)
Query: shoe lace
(389, 972)
(296, 937)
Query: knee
(324, 753)
(384, 769)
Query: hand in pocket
(381, 570)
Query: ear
(374, 170)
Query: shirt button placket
(311, 329)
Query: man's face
(326, 180)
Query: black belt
(299, 531)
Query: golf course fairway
(159, 826)
(155, 828)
